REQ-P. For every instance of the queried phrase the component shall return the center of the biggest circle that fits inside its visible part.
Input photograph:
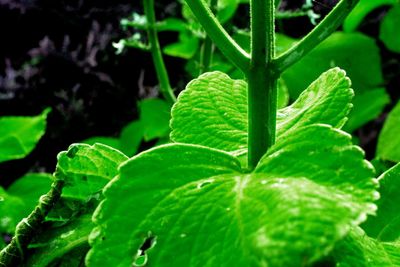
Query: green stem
(14, 252)
(207, 48)
(162, 74)
(262, 81)
(220, 37)
(206, 54)
(325, 28)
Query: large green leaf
(187, 205)
(212, 111)
(86, 169)
(19, 135)
(389, 140)
(386, 225)
(389, 29)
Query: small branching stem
(162, 74)
(325, 28)
(13, 254)
(207, 47)
(219, 36)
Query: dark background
(58, 54)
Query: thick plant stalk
(162, 74)
(262, 82)
(13, 253)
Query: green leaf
(226, 9)
(154, 117)
(389, 29)
(128, 141)
(212, 111)
(194, 206)
(19, 135)
(11, 211)
(185, 48)
(385, 226)
(389, 140)
(368, 105)
(361, 10)
(131, 137)
(356, 53)
(359, 250)
(56, 245)
(30, 187)
(105, 140)
(283, 94)
(20, 199)
(87, 169)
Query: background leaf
(389, 30)
(385, 226)
(388, 140)
(19, 135)
(154, 116)
(361, 10)
(20, 198)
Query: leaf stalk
(155, 50)
(13, 254)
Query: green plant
(241, 184)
